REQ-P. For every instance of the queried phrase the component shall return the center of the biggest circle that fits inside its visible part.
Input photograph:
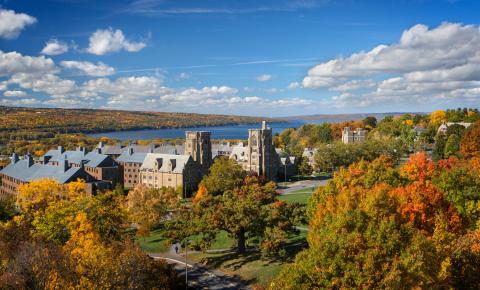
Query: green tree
(439, 147)
(303, 167)
(370, 121)
(224, 174)
(247, 211)
(452, 146)
(7, 208)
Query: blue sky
(270, 58)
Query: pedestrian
(176, 249)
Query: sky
(242, 57)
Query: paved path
(294, 186)
(199, 276)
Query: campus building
(357, 136)
(261, 157)
(22, 171)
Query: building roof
(132, 157)
(92, 159)
(180, 161)
(21, 171)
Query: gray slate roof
(21, 171)
(135, 157)
(151, 160)
(92, 159)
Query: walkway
(199, 276)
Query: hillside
(90, 120)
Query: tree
(470, 146)
(358, 240)
(439, 147)
(147, 206)
(72, 240)
(247, 211)
(452, 146)
(7, 208)
(225, 174)
(370, 121)
(303, 167)
(438, 117)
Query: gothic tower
(198, 145)
(261, 152)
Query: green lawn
(300, 196)
(252, 267)
(154, 243)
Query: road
(200, 277)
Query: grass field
(252, 267)
(300, 196)
(154, 243)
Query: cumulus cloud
(104, 41)
(16, 93)
(54, 47)
(426, 64)
(96, 70)
(12, 23)
(14, 62)
(264, 78)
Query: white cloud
(54, 47)
(424, 66)
(20, 102)
(16, 93)
(294, 85)
(47, 83)
(96, 70)
(14, 62)
(11, 23)
(264, 78)
(104, 41)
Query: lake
(218, 132)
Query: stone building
(199, 146)
(259, 156)
(26, 170)
(168, 170)
(357, 136)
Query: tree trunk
(241, 241)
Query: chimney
(264, 125)
(14, 158)
(130, 150)
(29, 160)
(84, 149)
(101, 144)
(65, 165)
(61, 149)
(98, 150)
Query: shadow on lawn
(233, 260)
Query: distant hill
(48, 120)
(322, 118)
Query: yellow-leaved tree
(438, 117)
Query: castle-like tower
(261, 155)
(199, 146)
